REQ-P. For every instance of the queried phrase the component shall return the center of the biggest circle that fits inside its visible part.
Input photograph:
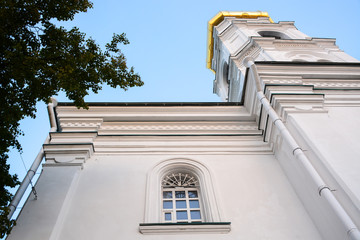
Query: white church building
(278, 159)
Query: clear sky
(168, 48)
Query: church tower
(277, 159)
(304, 93)
(232, 36)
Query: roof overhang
(219, 18)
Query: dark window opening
(225, 73)
(276, 35)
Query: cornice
(317, 75)
(181, 145)
(180, 128)
(70, 115)
(251, 49)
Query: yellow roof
(217, 19)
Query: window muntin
(210, 210)
(180, 198)
(181, 205)
(179, 180)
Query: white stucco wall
(38, 217)
(331, 141)
(108, 199)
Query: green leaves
(5, 224)
(117, 38)
(39, 59)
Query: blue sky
(168, 48)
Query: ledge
(173, 228)
(154, 104)
(307, 63)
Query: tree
(37, 60)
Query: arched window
(181, 198)
(209, 210)
(225, 73)
(274, 34)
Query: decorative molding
(283, 81)
(316, 75)
(185, 228)
(180, 145)
(72, 137)
(88, 124)
(210, 209)
(152, 112)
(67, 154)
(80, 124)
(294, 45)
(166, 126)
(331, 84)
(253, 51)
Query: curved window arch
(225, 73)
(155, 212)
(274, 34)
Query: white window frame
(187, 199)
(210, 210)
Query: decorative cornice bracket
(67, 154)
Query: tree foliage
(39, 59)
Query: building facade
(278, 159)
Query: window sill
(172, 228)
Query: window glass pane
(180, 194)
(167, 194)
(181, 215)
(167, 204)
(194, 204)
(193, 194)
(181, 204)
(195, 214)
(168, 216)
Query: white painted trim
(176, 229)
(173, 211)
(211, 211)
